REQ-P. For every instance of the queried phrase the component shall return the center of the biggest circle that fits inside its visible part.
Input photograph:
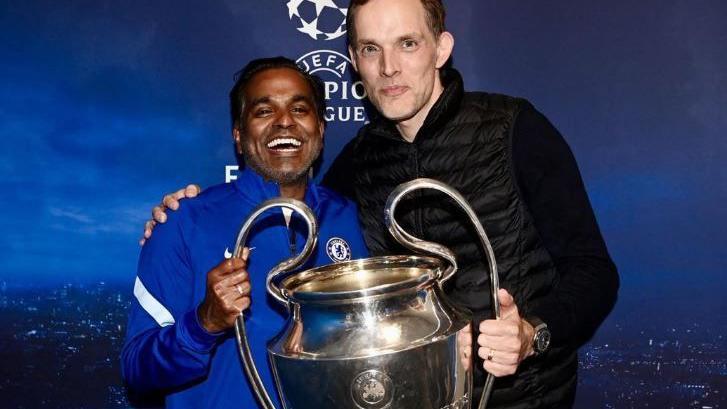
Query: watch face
(542, 340)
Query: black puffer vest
(465, 142)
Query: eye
(368, 50)
(262, 112)
(409, 44)
(300, 109)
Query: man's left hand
(169, 201)
(505, 342)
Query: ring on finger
(239, 289)
(490, 354)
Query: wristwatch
(541, 339)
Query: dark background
(105, 106)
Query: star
(339, 32)
(310, 28)
(320, 4)
(293, 8)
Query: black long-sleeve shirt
(551, 187)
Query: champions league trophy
(375, 333)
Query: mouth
(394, 90)
(286, 144)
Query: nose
(284, 120)
(388, 64)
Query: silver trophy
(375, 333)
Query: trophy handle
(422, 246)
(270, 283)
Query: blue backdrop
(106, 105)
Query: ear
(445, 45)
(237, 139)
(321, 127)
(352, 56)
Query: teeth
(283, 141)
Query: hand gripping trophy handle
(422, 246)
(294, 262)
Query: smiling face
(398, 58)
(281, 134)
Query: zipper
(291, 238)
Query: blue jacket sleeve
(165, 345)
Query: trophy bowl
(372, 333)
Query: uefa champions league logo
(324, 20)
(320, 19)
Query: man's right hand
(227, 294)
(170, 201)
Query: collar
(444, 109)
(256, 189)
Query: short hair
(243, 77)
(433, 8)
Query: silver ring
(239, 289)
(490, 354)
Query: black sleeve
(552, 190)
(339, 175)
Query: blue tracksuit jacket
(166, 350)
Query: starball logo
(320, 19)
(343, 96)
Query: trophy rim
(373, 276)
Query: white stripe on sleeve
(150, 304)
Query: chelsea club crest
(338, 250)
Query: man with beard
(512, 165)
(189, 290)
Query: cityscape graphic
(59, 348)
